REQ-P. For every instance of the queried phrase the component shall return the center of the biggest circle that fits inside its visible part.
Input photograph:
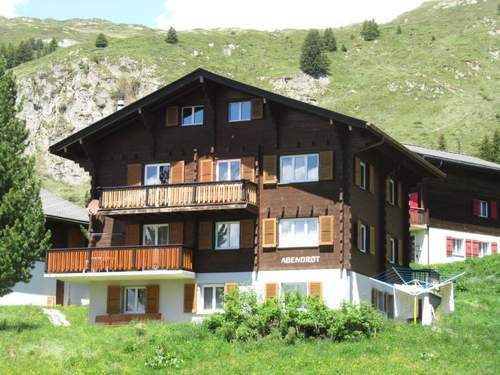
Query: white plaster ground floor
(431, 246)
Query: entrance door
(59, 292)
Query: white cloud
(8, 7)
(277, 14)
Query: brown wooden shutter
(177, 172)
(172, 116)
(374, 298)
(246, 234)
(205, 235)
(388, 247)
(372, 179)
(359, 234)
(206, 173)
(373, 240)
(113, 303)
(132, 234)
(400, 253)
(271, 290)
(386, 302)
(257, 109)
(326, 165)
(134, 174)
(190, 298)
(152, 299)
(357, 172)
(400, 194)
(176, 233)
(315, 289)
(269, 173)
(248, 168)
(326, 230)
(229, 286)
(269, 233)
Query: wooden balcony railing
(419, 216)
(178, 195)
(118, 259)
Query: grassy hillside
(463, 343)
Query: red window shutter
(414, 200)
(493, 209)
(475, 207)
(449, 246)
(494, 247)
(468, 248)
(475, 248)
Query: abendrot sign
(303, 259)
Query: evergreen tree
(101, 41)
(370, 31)
(442, 143)
(171, 36)
(495, 146)
(312, 60)
(53, 44)
(398, 30)
(329, 42)
(24, 52)
(23, 237)
(10, 56)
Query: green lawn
(463, 343)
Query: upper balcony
(198, 196)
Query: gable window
(227, 235)
(365, 240)
(192, 115)
(156, 174)
(155, 234)
(294, 288)
(299, 232)
(134, 300)
(394, 250)
(228, 170)
(299, 168)
(363, 170)
(240, 111)
(392, 192)
(457, 247)
(213, 298)
(483, 209)
(483, 248)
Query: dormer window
(192, 115)
(240, 111)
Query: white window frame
(214, 298)
(365, 232)
(156, 227)
(306, 228)
(457, 250)
(192, 107)
(136, 299)
(157, 165)
(240, 105)
(394, 250)
(487, 248)
(392, 189)
(483, 205)
(229, 161)
(294, 157)
(295, 283)
(230, 247)
(363, 169)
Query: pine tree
(23, 237)
(495, 146)
(398, 30)
(171, 36)
(53, 44)
(24, 52)
(101, 41)
(442, 143)
(312, 60)
(370, 31)
(329, 42)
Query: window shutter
(315, 289)
(132, 234)
(205, 235)
(248, 168)
(475, 248)
(271, 290)
(475, 207)
(359, 234)
(372, 178)
(190, 298)
(206, 173)
(175, 233)
(374, 298)
(449, 246)
(177, 172)
(493, 209)
(257, 109)
(326, 165)
(388, 248)
(230, 286)
(326, 230)
(269, 233)
(357, 172)
(246, 234)
(152, 299)
(134, 174)
(172, 116)
(414, 203)
(386, 302)
(113, 303)
(494, 247)
(269, 173)
(400, 253)
(388, 190)
(373, 240)
(468, 248)
(400, 194)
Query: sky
(209, 14)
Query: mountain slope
(440, 76)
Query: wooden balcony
(419, 217)
(119, 259)
(180, 197)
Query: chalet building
(64, 220)
(456, 217)
(210, 184)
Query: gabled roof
(57, 208)
(454, 158)
(199, 75)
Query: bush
(370, 31)
(101, 41)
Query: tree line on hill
(25, 51)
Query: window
(294, 288)
(299, 168)
(364, 175)
(156, 174)
(394, 250)
(365, 233)
(483, 248)
(380, 301)
(299, 232)
(134, 300)
(155, 234)
(240, 111)
(228, 170)
(192, 115)
(227, 235)
(483, 209)
(213, 297)
(457, 247)
(392, 192)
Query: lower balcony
(120, 263)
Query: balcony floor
(88, 277)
